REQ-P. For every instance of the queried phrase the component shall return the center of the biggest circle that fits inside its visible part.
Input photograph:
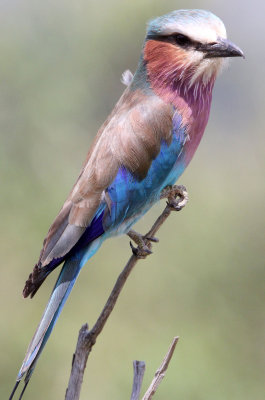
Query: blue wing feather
(131, 197)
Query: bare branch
(139, 369)
(78, 365)
(177, 198)
(160, 373)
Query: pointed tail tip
(14, 390)
(24, 388)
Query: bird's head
(186, 47)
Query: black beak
(221, 48)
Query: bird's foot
(177, 196)
(144, 245)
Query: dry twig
(160, 373)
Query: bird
(144, 145)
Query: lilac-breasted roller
(143, 146)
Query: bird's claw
(178, 198)
(144, 246)
(140, 252)
(174, 205)
(152, 239)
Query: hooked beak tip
(222, 48)
(231, 49)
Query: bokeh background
(60, 69)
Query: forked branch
(139, 369)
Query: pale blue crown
(200, 25)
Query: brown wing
(131, 137)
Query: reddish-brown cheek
(163, 58)
(165, 62)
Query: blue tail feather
(60, 293)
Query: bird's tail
(60, 293)
(58, 297)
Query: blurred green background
(60, 69)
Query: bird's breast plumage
(170, 74)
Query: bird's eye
(182, 40)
